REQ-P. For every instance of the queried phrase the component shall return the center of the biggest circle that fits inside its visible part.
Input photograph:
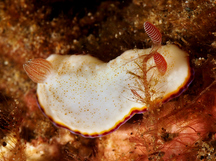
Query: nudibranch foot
(38, 70)
(87, 135)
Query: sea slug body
(93, 98)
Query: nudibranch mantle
(93, 98)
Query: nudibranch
(93, 98)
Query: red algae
(178, 130)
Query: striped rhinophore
(38, 69)
(160, 62)
(153, 32)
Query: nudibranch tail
(160, 62)
(38, 69)
(153, 33)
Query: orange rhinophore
(38, 69)
(160, 62)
